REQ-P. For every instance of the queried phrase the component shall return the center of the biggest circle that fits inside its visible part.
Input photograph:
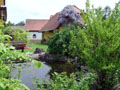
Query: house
(34, 27)
(53, 23)
(42, 29)
(3, 11)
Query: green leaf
(37, 64)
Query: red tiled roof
(76, 9)
(52, 23)
(35, 24)
(79, 11)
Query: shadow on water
(29, 72)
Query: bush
(58, 44)
(98, 45)
(6, 82)
(16, 33)
(63, 82)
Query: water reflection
(60, 67)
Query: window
(34, 36)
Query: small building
(34, 27)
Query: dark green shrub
(59, 43)
(98, 45)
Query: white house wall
(38, 35)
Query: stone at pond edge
(34, 56)
(50, 58)
(46, 57)
(38, 50)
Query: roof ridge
(37, 19)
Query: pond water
(29, 71)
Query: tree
(98, 46)
(106, 12)
(21, 23)
(16, 33)
(9, 24)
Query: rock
(117, 86)
(84, 70)
(38, 50)
(78, 67)
(42, 56)
(49, 57)
(46, 57)
(63, 59)
(34, 56)
(71, 60)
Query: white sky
(19, 10)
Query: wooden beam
(3, 13)
(2, 2)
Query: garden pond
(29, 71)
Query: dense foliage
(98, 46)
(58, 44)
(6, 82)
(6, 55)
(63, 82)
(16, 33)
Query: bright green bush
(98, 45)
(63, 82)
(6, 82)
(6, 55)
(16, 33)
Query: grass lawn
(36, 45)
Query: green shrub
(63, 82)
(11, 84)
(58, 44)
(98, 45)
(16, 33)
(6, 82)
